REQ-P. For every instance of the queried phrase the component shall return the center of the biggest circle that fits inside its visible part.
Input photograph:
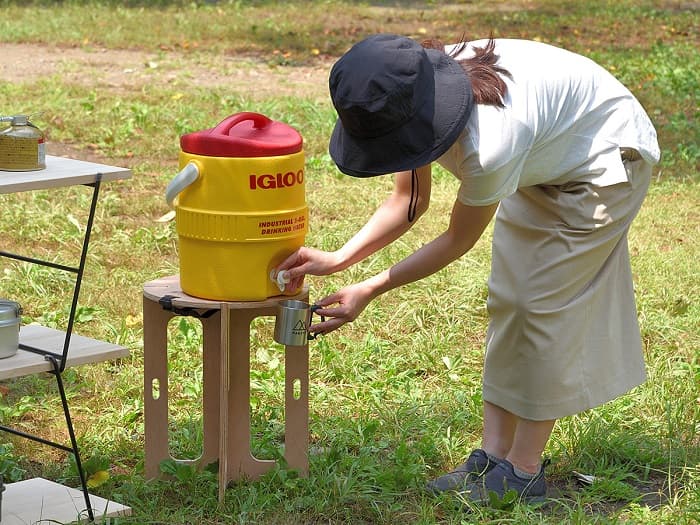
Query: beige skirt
(563, 335)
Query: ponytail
(484, 74)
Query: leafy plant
(10, 467)
(16, 409)
(95, 467)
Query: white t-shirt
(565, 119)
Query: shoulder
(496, 136)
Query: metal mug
(10, 318)
(293, 321)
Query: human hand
(349, 303)
(305, 261)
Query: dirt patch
(123, 70)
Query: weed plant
(395, 397)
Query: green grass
(395, 397)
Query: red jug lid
(244, 134)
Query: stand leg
(156, 422)
(155, 388)
(224, 379)
(296, 424)
(211, 355)
(240, 461)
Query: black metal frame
(58, 361)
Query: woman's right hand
(343, 306)
(307, 261)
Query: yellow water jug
(240, 206)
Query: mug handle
(315, 307)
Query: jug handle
(259, 121)
(187, 176)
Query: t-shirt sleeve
(494, 150)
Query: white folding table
(43, 349)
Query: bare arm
(390, 221)
(387, 224)
(467, 223)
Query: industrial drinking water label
(281, 225)
(241, 227)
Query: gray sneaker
(502, 480)
(477, 464)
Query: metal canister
(10, 317)
(22, 145)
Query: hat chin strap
(413, 201)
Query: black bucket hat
(400, 106)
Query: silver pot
(10, 313)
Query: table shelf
(81, 351)
(60, 172)
(56, 504)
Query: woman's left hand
(343, 306)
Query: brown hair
(487, 85)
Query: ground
(123, 69)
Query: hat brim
(418, 142)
